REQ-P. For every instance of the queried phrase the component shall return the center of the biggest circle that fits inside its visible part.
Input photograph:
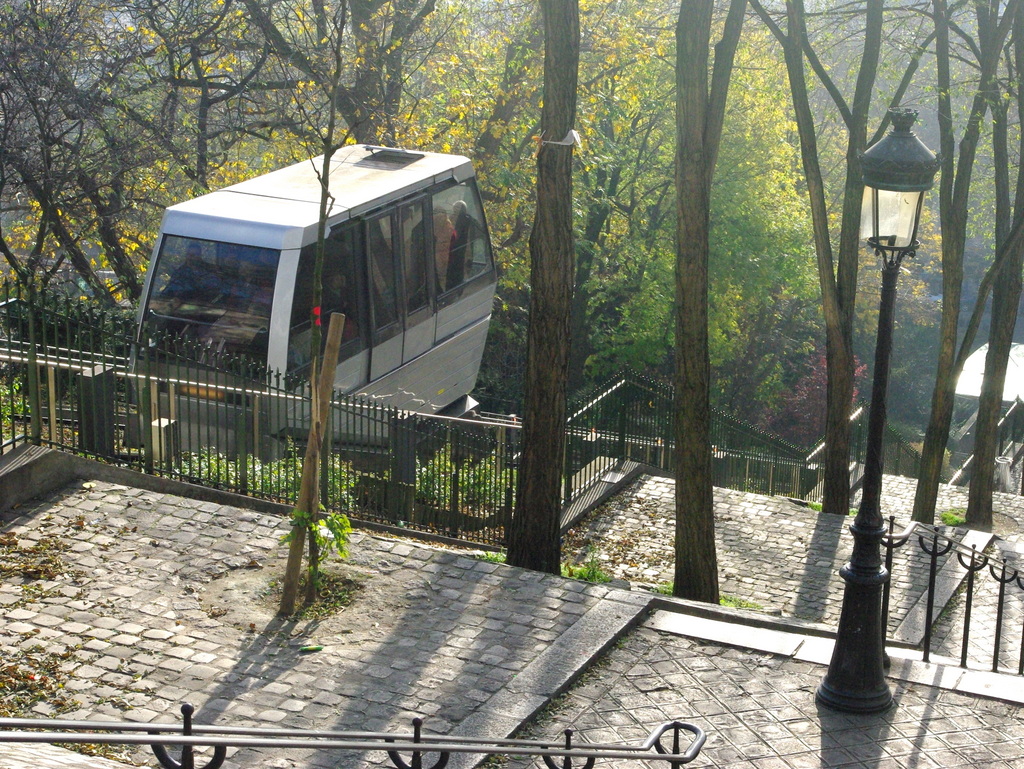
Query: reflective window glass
(414, 226)
(460, 248)
(342, 292)
(381, 263)
(220, 294)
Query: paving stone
(20, 614)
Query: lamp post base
(855, 682)
(875, 700)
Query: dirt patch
(1005, 526)
(248, 598)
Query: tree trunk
(1005, 303)
(699, 115)
(837, 273)
(1005, 296)
(954, 189)
(307, 508)
(533, 534)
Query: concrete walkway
(477, 648)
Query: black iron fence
(973, 602)
(74, 377)
(630, 418)
(676, 742)
(899, 457)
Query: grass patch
(733, 602)
(491, 556)
(588, 571)
(956, 516)
(817, 507)
(729, 601)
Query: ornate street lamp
(897, 170)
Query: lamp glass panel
(867, 219)
(897, 216)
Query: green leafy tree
(66, 168)
(378, 42)
(837, 266)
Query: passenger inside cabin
(461, 237)
(338, 297)
(444, 233)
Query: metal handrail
(954, 545)
(187, 736)
(933, 543)
(958, 478)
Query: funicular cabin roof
(275, 209)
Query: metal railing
(899, 457)
(74, 378)
(630, 418)
(980, 577)
(748, 459)
(684, 746)
(77, 381)
(1010, 445)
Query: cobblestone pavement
(781, 556)
(785, 558)
(1008, 509)
(473, 646)
(758, 711)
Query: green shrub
(588, 571)
(277, 479)
(481, 483)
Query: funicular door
(385, 295)
(342, 291)
(414, 230)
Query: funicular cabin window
(343, 292)
(414, 256)
(216, 294)
(461, 249)
(383, 283)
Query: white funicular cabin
(408, 261)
